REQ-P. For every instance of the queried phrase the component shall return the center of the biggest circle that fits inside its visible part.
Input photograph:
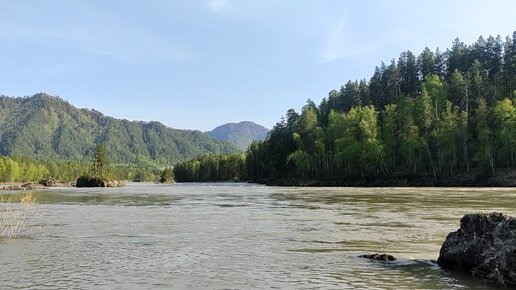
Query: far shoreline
(472, 181)
(404, 181)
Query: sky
(197, 64)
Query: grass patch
(17, 215)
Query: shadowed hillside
(241, 134)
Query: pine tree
(100, 162)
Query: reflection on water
(235, 236)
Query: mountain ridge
(48, 127)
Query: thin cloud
(337, 44)
(109, 36)
(218, 6)
(114, 36)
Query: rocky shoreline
(48, 183)
(23, 186)
(43, 184)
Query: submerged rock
(379, 257)
(484, 246)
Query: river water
(242, 236)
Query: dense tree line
(22, 169)
(221, 167)
(436, 114)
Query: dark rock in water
(484, 246)
(86, 181)
(379, 257)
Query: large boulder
(484, 246)
(88, 181)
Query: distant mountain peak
(241, 134)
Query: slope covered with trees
(44, 127)
(436, 115)
(240, 134)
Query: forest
(23, 169)
(220, 167)
(44, 127)
(437, 114)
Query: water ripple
(240, 236)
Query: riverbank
(22, 186)
(43, 184)
(49, 183)
(460, 180)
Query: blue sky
(196, 64)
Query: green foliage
(222, 167)
(411, 145)
(390, 135)
(100, 161)
(484, 154)
(43, 127)
(167, 175)
(302, 160)
(433, 122)
(22, 169)
(504, 114)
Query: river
(242, 236)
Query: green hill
(240, 134)
(47, 127)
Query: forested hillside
(436, 115)
(44, 127)
(240, 134)
(433, 114)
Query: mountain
(47, 127)
(240, 134)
